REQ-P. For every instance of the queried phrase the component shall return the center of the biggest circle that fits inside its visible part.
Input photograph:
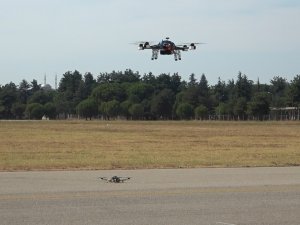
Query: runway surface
(243, 196)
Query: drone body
(115, 179)
(167, 47)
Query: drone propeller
(142, 42)
(189, 43)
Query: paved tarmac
(241, 196)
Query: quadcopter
(115, 179)
(167, 47)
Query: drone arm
(124, 178)
(182, 48)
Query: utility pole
(45, 79)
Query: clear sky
(260, 38)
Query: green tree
(50, 110)
(223, 109)
(149, 79)
(204, 97)
(279, 90)
(103, 110)
(63, 103)
(184, 111)
(41, 97)
(243, 87)
(134, 99)
(130, 76)
(108, 92)
(24, 91)
(71, 85)
(2, 110)
(147, 109)
(120, 77)
(88, 85)
(192, 81)
(8, 96)
(163, 81)
(230, 90)
(191, 96)
(201, 112)
(70, 82)
(203, 86)
(136, 111)
(84, 88)
(175, 83)
(34, 111)
(162, 104)
(18, 110)
(218, 95)
(113, 108)
(259, 106)
(124, 108)
(87, 108)
(103, 78)
(34, 86)
(141, 90)
(295, 90)
(240, 108)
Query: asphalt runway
(242, 196)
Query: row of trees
(132, 96)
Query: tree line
(129, 95)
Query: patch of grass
(45, 145)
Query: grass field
(47, 145)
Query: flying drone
(167, 47)
(115, 179)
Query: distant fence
(287, 113)
(276, 114)
(254, 118)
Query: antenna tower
(56, 82)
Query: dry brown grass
(43, 145)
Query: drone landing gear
(154, 54)
(177, 55)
